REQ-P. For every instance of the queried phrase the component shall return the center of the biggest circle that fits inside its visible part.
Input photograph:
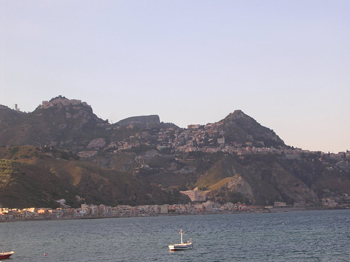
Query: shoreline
(272, 210)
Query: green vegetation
(219, 185)
(40, 180)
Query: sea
(281, 236)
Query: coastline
(272, 210)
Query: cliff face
(240, 186)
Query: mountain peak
(239, 127)
(61, 101)
(237, 114)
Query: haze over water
(287, 236)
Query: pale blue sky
(284, 63)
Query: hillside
(37, 177)
(142, 160)
(264, 179)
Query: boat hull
(6, 255)
(179, 247)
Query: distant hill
(71, 124)
(142, 160)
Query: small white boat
(182, 246)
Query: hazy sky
(284, 63)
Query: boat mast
(181, 236)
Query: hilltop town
(196, 138)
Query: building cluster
(61, 101)
(335, 201)
(209, 138)
(194, 208)
(100, 211)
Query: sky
(284, 63)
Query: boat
(6, 255)
(182, 245)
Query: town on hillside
(207, 138)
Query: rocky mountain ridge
(234, 159)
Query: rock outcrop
(144, 120)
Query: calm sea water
(291, 236)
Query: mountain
(143, 160)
